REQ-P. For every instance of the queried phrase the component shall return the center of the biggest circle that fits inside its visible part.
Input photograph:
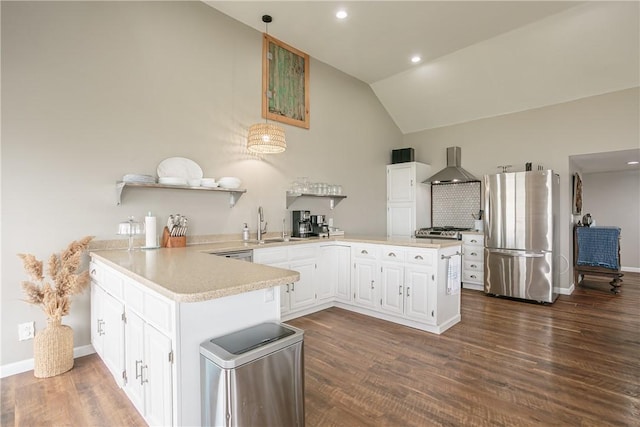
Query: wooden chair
(579, 271)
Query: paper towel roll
(151, 238)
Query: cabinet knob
(372, 284)
(391, 254)
(474, 241)
(293, 287)
(473, 266)
(364, 252)
(473, 276)
(474, 253)
(400, 290)
(287, 291)
(408, 292)
(93, 272)
(418, 257)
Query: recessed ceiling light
(633, 162)
(341, 14)
(415, 59)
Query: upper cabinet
(408, 199)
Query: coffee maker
(319, 226)
(301, 223)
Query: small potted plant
(53, 346)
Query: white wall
(613, 198)
(94, 90)
(545, 136)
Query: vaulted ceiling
(479, 58)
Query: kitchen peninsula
(152, 309)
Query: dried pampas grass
(53, 295)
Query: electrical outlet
(26, 331)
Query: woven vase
(53, 350)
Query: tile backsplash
(453, 204)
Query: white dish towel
(453, 275)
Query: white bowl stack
(229, 182)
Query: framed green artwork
(285, 83)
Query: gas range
(453, 233)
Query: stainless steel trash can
(253, 377)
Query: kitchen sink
(278, 240)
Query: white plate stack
(179, 171)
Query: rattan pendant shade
(266, 138)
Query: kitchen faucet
(261, 230)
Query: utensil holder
(169, 241)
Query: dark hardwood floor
(508, 363)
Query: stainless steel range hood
(453, 173)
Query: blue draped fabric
(598, 246)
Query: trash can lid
(246, 345)
(256, 336)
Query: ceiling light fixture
(633, 162)
(415, 59)
(341, 14)
(266, 138)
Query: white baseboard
(565, 291)
(631, 269)
(27, 365)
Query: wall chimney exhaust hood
(453, 173)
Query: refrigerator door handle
(520, 254)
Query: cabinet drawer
(302, 252)
(157, 311)
(95, 271)
(270, 256)
(112, 283)
(473, 265)
(473, 253)
(365, 251)
(392, 254)
(473, 239)
(473, 276)
(421, 257)
(134, 297)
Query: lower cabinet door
(364, 282)
(343, 273)
(391, 287)
(149, 359)
(303, 291)
(418, 282)
(113, 335)
(156, 377)
(134, 332)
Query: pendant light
(266, 138)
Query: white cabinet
(149, 379)
(408, 199)
(419, 295)
(303, 292)
(136, 353)
(107, 329)
(473, 261)
(334, 274)
(392, 280)
(365, 275)
(299, 297)
(408, 283)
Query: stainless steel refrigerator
(521, 235)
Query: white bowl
(230, 182)
(208, 182)
(172, 180)
(194, 182)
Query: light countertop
(193, 274)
